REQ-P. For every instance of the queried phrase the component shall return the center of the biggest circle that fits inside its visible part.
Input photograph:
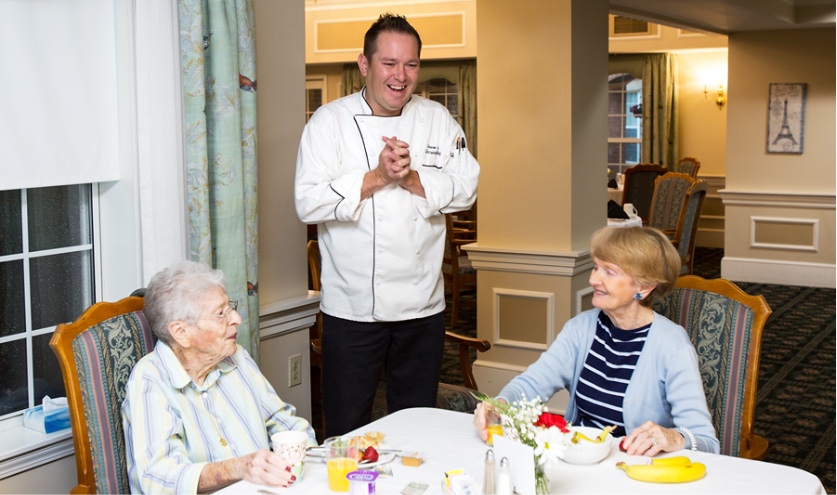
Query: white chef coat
(382, 256)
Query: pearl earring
(638, 296)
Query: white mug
(291, 446)
(630, 210)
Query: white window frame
(620, 167)
(130, 243)
(314, 82)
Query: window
(47, 277)
(624, 122)
(442, 91)
(315, 94)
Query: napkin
(615, 211)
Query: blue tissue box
(50, 422)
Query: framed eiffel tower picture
(786, 117)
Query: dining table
(447, 441)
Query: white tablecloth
(448, 441)
(615, 194)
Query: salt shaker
(504, 484)
(488, 478)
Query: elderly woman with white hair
(198, 413)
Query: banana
(677, 460)
(577, 435)
(677, 469)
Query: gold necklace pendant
(222, 441)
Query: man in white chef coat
(376, 171)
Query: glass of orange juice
(494, 428)
(341, 459)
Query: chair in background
(97, 353)
(671, 190)
(684, 236)
(457, 397)
(688, 166)
(457, 271)
(725, 325)
(639, 188)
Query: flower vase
(541, 480)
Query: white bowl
(583, 452)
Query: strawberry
(369, 455)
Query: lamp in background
(721, 97)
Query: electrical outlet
(295, 370)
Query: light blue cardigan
(665, 388)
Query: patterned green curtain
(352, 80)
(468, 102)
(218, 71)
(660, 109)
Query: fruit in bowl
(583, 445)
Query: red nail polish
(293, 478)
(288, 469)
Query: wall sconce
(721, 97)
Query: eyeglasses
(225, 315)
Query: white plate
(382, 459)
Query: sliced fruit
(369, 455)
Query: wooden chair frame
(458, 233)
(62, 344)
(694, 171)
(752, 446)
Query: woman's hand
(651, 439)
(262, 467)
(483, 415)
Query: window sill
(23, 449)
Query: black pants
(354, 354)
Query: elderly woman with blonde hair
(622, 363)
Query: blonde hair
(644, 253)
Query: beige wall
(286, 308)
(447, 29)
(767, 191)
(703, 126)
(542, 132)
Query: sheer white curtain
(160, 170)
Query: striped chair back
(725, 325)
(639, 187)
(97, 353)
(684, 237)
(689, 166)
(670, 193)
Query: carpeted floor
(795, 408)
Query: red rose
(546, 420)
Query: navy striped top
(606, 374)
